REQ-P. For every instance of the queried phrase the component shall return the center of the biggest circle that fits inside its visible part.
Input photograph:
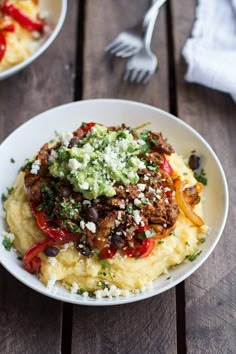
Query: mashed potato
(76, 271)
(20, 43)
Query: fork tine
(127, 74)
(117, 48)
(147, 77)
(128, 52)
(112, 45)
(141, 76)
(134, 75)
(123, 50)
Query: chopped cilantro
(28, 165)
(10, 190)
(104, 263)
(168, 277)
(146, 234)
(192, 257)
(4, 197)
(7, 243)
(129, 209)
(12, 160)
(187, 243)
(103, 285)
(136, 257)
(160, 242)
(202, 240)
(152, 166)
(185, 173)
(201, 177)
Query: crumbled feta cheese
(65, 138)
(8, 235)
(82, 224)
(52, 280)
(117, 223)
(74, 288)
(141, 195)
(145, 178)
(86, 202)
(52, 261)
(53, 155)
(66, 246)
(137, 217)
(84, 186)
(119, 215)
(74, 164)
(137, 202)
(91, 226)
(35, 167)
(141, 187)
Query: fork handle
(152, 11)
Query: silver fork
(143, 65)
(129, 42)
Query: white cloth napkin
(211, 51)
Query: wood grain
(29, 322)
(148, 326)
(210, 292)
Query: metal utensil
(129, 42)
(143, 64)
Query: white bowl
(28, 138)
(56, 10)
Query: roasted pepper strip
(21, 17)
(32, 262)
(3, 46)
(184, 206)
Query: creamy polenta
(18, 35)
(77, 271)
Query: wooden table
(198, 316)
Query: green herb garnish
(7, 243)
(201, 177)
(192, 257)
(12, 160)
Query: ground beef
(160, 144)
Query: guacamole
(99, 160)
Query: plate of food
(107, 202)
(27, 29)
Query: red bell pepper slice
(107, 252)
(141, 250)
(166, 167)
(3, 46)
(31, 261)
(86, 127)
(49, 231)
(21, 17)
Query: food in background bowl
(21, 27)
(105, 210)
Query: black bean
(84, 250)
(74, 141)
(92, 214)
(118, 241)
(65, 192)
(51, 251)
(194, 162)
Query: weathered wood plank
(148, 326)
(30, 322)
(210, 292)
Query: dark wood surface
(198, 316)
